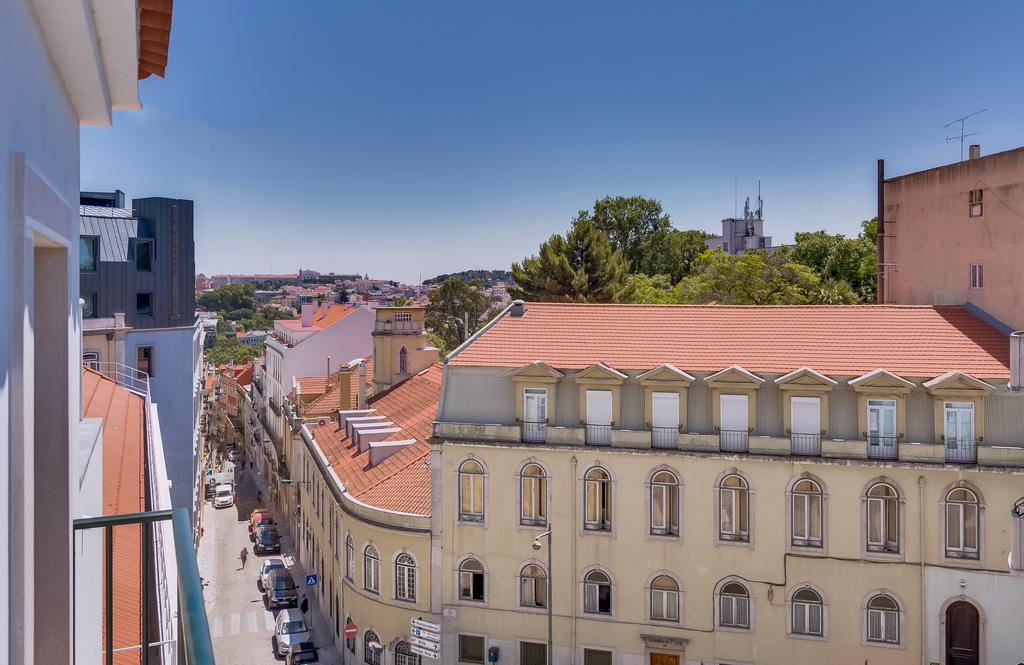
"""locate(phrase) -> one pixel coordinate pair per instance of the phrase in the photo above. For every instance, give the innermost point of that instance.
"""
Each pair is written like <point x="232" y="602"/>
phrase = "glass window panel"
<point x="728" y="512"/>
<point x="970" y="513"/>
<point x="800" y="516"/>
<point x="815" y="517"/>
<point x="953" y="526"/>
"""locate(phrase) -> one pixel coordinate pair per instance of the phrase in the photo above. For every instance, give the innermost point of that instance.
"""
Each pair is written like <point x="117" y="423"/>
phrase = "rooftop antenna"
<point x="735" y="193"/>
<point x="950" y="139"/>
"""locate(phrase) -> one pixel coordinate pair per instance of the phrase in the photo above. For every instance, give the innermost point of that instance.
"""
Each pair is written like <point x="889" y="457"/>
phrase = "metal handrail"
<point x="664" y="437"/>
<point x="961" y="450"/>
<point x="534" y="431"/>
<point x="882" y="446"/>
<point x="805" y="444"/>
<point x="598" y="435"/>
<point x="134" y="380"/>
<point x="734" y="440"/>
<point x="195" y="627"/>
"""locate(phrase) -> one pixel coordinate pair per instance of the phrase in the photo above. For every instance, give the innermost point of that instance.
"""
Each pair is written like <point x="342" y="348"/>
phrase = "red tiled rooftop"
<point x="334" y="314"/>
<point x="402" y="481"/>
<point x="123" y="492"/>
<point x="847" y="340"/>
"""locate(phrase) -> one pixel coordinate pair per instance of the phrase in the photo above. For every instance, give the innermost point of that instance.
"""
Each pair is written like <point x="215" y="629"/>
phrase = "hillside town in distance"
<point x="652" y="438"/>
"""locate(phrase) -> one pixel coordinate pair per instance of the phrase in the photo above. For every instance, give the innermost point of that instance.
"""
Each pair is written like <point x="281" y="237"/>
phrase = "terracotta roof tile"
<point x="917" y="341"/>
<point x="321" y="321"/>
<point x="124" y="491"/>
<point x="402" y="481"/>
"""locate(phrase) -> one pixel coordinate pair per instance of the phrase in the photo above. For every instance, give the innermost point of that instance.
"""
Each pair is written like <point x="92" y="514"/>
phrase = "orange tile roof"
<point x="329" y="400"/>
<point x="321" y="321"/>
<point x="916" y="341"/>
<point x="124" y="491"/>
<point x="402" y="481"/>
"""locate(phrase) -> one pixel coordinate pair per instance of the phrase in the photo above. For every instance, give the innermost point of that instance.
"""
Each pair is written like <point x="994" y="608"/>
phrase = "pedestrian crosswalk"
<point x="238" y="624"/>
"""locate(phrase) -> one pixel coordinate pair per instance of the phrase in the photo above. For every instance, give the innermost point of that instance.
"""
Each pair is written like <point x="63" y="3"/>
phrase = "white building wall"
<point x="88" y="502"/>
<point x="1000" y="601"/>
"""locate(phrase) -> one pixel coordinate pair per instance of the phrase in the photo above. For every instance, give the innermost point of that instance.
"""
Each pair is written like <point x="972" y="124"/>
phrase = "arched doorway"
<point x="962" y="634"/>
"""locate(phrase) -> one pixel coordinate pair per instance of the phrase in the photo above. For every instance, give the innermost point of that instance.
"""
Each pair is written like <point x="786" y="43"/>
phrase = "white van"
<point x="224" y="497"/>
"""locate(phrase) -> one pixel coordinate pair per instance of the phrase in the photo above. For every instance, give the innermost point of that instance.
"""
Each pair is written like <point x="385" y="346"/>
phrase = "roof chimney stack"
<point x="974" y="151"/>
<point x="361" y="387"/>
<point x="307" y="314"/>
<point x="1017" y="361"/>
<point x="518" y="308"/>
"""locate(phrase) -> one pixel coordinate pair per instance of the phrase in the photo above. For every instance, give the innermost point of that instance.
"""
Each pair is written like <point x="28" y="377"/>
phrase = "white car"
<point x="234" y="455"/>
<point x="224" y="496"/>
<point x="290" y="629"/>
<point x="268" y="567"/>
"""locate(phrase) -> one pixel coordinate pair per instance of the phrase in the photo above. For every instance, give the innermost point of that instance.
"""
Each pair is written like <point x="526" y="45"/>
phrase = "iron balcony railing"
<point x="125" y="376"/>
<point x="258" y="382"/>
<point x="805" y="444"/>
<point x="274" y="406"/>
<point x="734" y="441"/>
<point x="664" y="437"/>
<point x="534" y="431"/>
<point x="882" y="446"/>
<point x="599" y="435"/>
<point x="961" y="450"/>
<point x="194" y="646"/>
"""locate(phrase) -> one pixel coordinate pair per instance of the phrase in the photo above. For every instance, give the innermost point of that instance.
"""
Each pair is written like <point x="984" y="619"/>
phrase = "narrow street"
<point x="240" y="624"/>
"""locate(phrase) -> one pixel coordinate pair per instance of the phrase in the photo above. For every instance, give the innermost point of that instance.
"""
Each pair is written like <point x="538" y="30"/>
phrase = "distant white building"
<point x="742" y="234"/>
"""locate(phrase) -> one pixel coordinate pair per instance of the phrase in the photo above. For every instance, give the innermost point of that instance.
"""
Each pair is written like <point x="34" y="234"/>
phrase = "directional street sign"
<point x="312" y="580"/>
<point x="433" y="655"/>
<point x="425" y="644"/>
<point x="426" y="625"/>
<point x="425" y="634"/>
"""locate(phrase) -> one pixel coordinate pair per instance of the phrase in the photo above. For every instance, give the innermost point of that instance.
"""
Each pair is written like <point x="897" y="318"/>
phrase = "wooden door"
<point x="664" y="659"/>
<point x="961" y="634"/>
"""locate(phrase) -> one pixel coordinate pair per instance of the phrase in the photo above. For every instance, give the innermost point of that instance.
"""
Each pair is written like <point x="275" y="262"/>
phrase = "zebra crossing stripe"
<point x="253" y="626"/>
<point x="217" y="629"/>
<point x="236" y="624"/>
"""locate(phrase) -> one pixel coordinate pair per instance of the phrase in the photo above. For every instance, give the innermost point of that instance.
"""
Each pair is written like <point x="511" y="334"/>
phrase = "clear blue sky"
<point x="405" y="138"/>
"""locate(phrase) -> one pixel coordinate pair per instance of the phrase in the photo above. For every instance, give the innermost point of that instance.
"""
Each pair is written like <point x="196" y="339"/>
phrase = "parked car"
<point x="234" y="454"/>
<point x="266" y="540"/>
<point x="279" y="590"/>
<point x="303" y="652"/>
<point x="224" y="496"/>
<point x="268" y="567"/>
<point x="260" y="517"/>
<point x="290" y="629"/>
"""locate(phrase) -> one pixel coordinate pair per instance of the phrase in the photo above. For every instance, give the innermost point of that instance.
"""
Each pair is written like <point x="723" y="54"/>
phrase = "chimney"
<point x="345" y="387"/>
<point x="307" y="314"/>
<point x="518" y="308"/>
<point x="1017" y="361"/>
<point x="324" y="306"/>
<point x="361" y="387"/>
<point x="974" y="151"/>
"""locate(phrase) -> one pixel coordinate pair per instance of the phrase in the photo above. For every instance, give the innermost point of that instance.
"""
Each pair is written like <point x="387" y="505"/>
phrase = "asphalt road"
<point x="240" y="624"/>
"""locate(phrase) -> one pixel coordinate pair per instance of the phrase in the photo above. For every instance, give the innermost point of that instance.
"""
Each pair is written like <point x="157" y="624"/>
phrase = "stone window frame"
<point x="457" y="594"/>
<point x="415" y="574"/>
<point x="803" y="549"/>
<point x="518" y="588"/>
<point x="901" y="618"/>
<point x="901" y="509"/>
<point x="581" y="485"/>
<point x="648" y="485"/>
<point x="734" y="380"/>
<point x="482" y="522"/>
<point x="751" y="614"/>
<point x="824" y="613"/>
<point x="665" y="378"/>
<point x="962" y="562"/>
<point x="538" y="375"/>
<point x="648" y="588"/>
<point x="749" y="542"/>
<point x="805" y="382"/>
<point x="600" y="376"/>
<point x="613" y="585"/>
<point x="957" y="386"/>
<point x="520" y="526"/>
<point x="881" y="384"/>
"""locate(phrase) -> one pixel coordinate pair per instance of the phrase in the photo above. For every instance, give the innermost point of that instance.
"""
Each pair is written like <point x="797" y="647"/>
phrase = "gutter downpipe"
<point x="921" y="480"/>
<point x="572" y="581"/>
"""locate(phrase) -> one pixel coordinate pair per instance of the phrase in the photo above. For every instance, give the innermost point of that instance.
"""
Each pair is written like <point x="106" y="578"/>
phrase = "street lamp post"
<point x="547" y="599"/>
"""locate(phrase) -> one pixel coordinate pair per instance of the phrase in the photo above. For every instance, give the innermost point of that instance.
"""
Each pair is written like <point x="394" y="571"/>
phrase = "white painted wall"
<point x="1000" y="598"/>
<point x="89" y="543"/>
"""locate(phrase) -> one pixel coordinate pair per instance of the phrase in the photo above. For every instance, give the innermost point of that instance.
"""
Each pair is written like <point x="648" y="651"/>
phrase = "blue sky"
<point x="403" y="139"/>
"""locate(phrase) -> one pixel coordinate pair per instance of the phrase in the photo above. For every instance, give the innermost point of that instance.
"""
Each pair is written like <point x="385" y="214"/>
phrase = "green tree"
<point x="629" y="222"/>
<point x="653" y="289"/>
<point x="672" y="253"/>
<point x="755" y="278"/>
<point x="401" y="301"/>
<point x="836" y="258"/>
<point x="228" y="297"/>
<point x="453" y="304"/>
<point x="582" y="266"/>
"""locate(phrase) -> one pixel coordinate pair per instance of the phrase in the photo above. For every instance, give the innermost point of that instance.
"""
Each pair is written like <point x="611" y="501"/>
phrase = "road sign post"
<point x="425" y="639"/>
<point x="312" y="579"/>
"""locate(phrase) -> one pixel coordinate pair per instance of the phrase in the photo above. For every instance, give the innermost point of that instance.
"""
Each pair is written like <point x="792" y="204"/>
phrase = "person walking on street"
<point x="259" y="496"/>
<point x="243" y="556"/>
<point x="304" y="605"/>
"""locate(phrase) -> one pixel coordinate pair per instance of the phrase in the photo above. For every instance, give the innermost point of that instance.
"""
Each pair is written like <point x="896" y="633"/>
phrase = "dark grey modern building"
<point x="137" y="285"/>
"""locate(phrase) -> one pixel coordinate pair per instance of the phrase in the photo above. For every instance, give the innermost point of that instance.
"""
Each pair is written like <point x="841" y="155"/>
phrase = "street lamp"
<point x="536" y="547"/>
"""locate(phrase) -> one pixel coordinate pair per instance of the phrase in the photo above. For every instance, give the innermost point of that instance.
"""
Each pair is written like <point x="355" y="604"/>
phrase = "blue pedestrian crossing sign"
<point x="312" y="580"/>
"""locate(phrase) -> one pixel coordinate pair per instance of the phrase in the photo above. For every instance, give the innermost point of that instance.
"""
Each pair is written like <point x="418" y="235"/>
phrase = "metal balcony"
<point x="882" y="446"/>
<point x="733" y="441"/>
<point x="599" y="435"/>
<point x="664" y="437"/>
<point x="961" y="450"/>
<point x="805" y="444"/>
<point x="123" y="375"/>
<point x="534" y="431"/>
<point x="192" y="644"/>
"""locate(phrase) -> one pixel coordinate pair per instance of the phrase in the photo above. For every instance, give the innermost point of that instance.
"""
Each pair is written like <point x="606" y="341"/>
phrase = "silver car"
<point x="290" y="629"/>
<point x="279" y="589"/>
<point x="269" y="566"/>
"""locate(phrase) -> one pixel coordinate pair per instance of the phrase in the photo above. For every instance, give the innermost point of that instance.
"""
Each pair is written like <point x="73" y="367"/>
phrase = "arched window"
<point x="350" y="642"/>
<point x="664" y="504"/>
<point x="471" y="491"/>
<point x="471" y="580"/>
<point x="734" y="606"/>
<point x="734" y="509"/>
<point x="962" y="524"/>
<point x="598" y="498"/>
<point x="532" y="586"/>
<point x="664" y="599"/>
<point x="807" y="613"/>
<point x="372" y="648"/>
<point x="371" y="569"/>
<point x="597" y="593"/>
<point x="405" y="577"/>
<point x="883" y="619"/>
<point x="807" y="513"/>
<point x="350" y="558"/>
<point x="883" y="505"/>
<point x="403" y="361"/>
<point x="404" y="655"/>
<point x="533" y="509"/>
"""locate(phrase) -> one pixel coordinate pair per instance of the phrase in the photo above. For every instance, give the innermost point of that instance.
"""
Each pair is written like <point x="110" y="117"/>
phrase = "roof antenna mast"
<point x="950" y="139"/>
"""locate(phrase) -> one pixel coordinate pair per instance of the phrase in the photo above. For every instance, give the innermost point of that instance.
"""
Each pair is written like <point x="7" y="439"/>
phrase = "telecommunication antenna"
<point x="950" y="139"/>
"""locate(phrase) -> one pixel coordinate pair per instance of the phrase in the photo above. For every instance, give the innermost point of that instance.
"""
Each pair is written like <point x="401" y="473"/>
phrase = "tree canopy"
<point x="228" y="297"/>
<point x="630" y="222"/>
<point x="755" y="278"/>
<point x="449" y="307"/>
<point x="581" y="266"/>
<point x="839" y="259"/>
